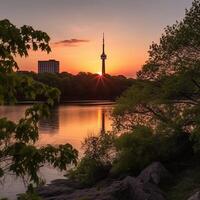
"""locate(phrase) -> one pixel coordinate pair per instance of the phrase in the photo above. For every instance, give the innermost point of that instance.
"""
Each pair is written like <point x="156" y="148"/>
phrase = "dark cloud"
<point x="70" y="42"/>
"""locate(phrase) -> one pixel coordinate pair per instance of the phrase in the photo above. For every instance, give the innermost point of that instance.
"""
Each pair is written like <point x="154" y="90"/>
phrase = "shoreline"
<point x="73" y="102"/>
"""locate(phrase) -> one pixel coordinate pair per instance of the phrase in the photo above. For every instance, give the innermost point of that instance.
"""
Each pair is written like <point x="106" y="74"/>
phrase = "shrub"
<point x="97" y="160"/>
<point x="89" y="171"/>
<point x="130" y="153"/>
<point x="137" y="149"/>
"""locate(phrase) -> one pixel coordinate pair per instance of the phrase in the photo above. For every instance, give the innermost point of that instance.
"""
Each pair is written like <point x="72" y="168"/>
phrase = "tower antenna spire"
<point x="103" y="43"/>
<point x="103" y="58"/>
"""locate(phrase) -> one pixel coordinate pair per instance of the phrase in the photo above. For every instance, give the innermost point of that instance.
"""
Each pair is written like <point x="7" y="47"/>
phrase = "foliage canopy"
<point x="166" y="96"/>
<point x="18" y="152"/>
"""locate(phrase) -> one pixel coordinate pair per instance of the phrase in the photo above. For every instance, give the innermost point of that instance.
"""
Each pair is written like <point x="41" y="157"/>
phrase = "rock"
<point x="154" y="173"/>
<point x="144" y="187"/>
<point x="196" y="196"/>
<point x="129" y="188"/>
<point x="57" y="187"/>
<point x="141" y="191"/>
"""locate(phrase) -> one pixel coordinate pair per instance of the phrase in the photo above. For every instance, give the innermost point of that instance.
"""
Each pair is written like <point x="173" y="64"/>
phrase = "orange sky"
<point x="86" y="57"/>
<point x="130" y="26"/>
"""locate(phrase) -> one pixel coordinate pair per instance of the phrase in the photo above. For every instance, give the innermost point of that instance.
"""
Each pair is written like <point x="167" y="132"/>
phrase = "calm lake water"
<point x="67" y="124"/>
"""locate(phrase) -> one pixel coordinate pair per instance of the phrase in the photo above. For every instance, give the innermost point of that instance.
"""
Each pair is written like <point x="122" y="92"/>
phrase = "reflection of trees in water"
<point x="50" y="125"/>
<point x="69" y="117"/>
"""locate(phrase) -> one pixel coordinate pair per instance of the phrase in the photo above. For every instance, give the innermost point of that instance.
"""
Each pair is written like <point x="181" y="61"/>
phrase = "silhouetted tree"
<point x="18" y="154"/>
<point x="166" y="94"/>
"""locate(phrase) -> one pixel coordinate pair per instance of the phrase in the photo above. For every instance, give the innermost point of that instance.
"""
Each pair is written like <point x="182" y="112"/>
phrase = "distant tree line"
<point x="84" y="85"/>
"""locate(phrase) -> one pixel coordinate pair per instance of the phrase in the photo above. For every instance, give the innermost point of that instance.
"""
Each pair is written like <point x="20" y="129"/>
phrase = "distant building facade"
<point x="48" y="66"/>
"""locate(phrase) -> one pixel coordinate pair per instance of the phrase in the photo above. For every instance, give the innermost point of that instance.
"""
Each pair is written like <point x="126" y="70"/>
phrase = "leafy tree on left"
<point x="18" y="153"/>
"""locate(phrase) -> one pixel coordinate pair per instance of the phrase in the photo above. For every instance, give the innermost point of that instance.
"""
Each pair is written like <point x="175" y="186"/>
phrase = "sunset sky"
<point x="76" y="27"/>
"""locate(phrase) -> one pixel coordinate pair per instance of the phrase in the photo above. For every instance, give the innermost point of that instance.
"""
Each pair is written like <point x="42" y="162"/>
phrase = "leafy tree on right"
<point x="166" y="96"/>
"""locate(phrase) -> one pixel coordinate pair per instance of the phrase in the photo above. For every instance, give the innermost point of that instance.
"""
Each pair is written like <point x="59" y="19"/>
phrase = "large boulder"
<point x="142" y="191"/>
<point x="144" y="187"/>
<point x="154" y="173"/>
<point x="196" y="196"/>
<point x="129" y="188"/>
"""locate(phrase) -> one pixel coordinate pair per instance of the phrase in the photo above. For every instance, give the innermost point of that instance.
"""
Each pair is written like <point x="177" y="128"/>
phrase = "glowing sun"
<point x="99" y="73"/>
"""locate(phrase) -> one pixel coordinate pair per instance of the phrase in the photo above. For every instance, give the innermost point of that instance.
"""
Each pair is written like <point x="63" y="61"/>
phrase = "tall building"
<point x="103" y="58"/>
<point x="49" y="66"/>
